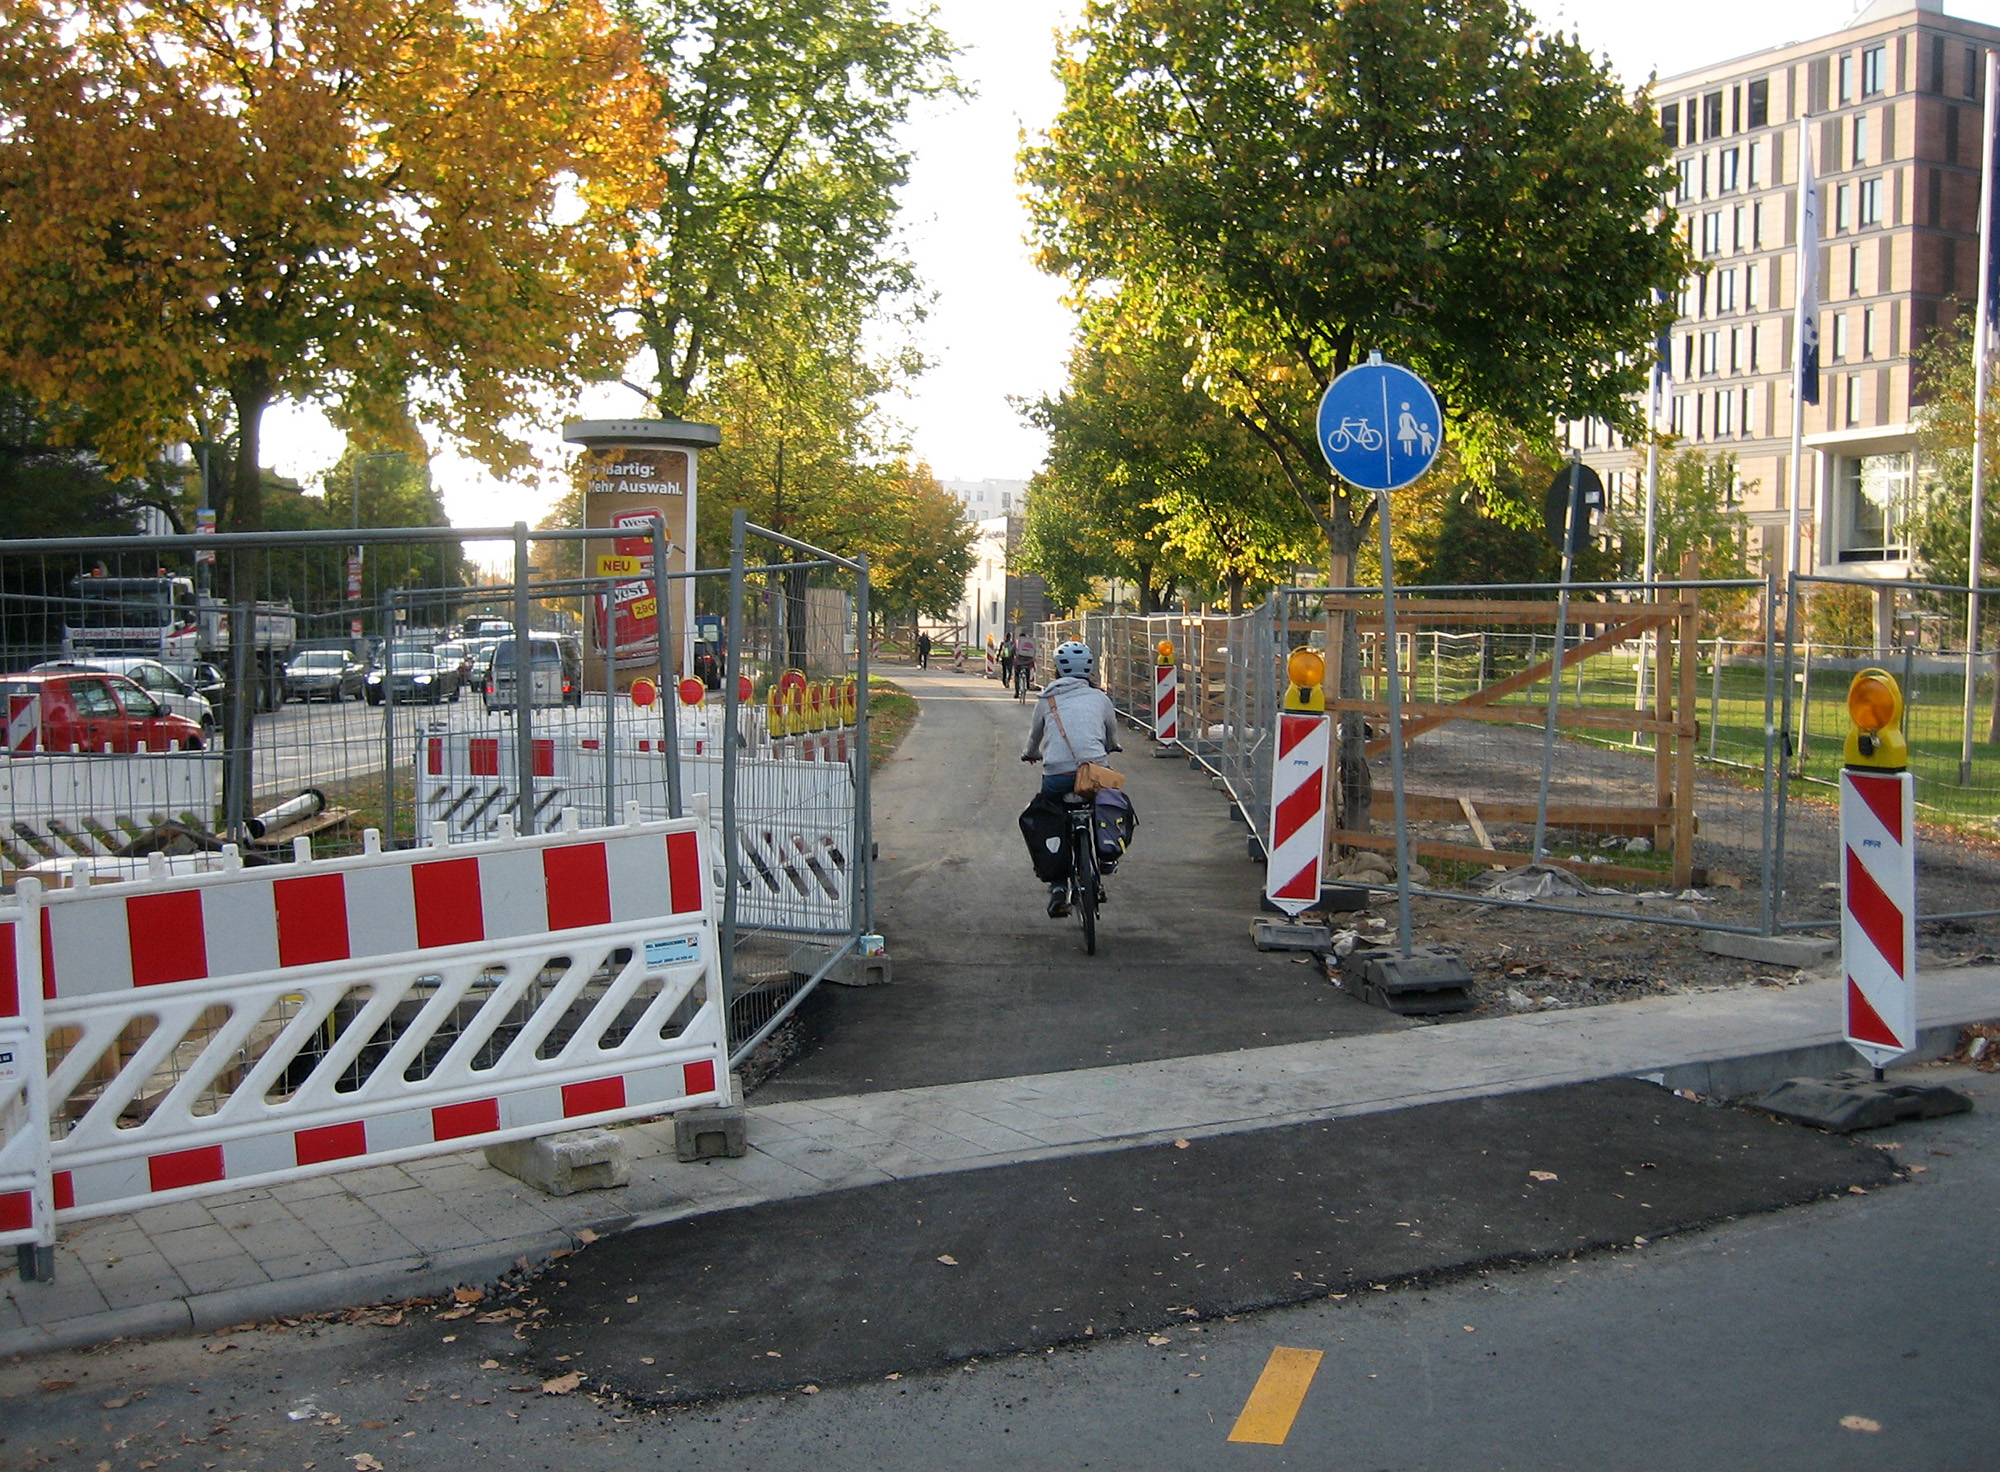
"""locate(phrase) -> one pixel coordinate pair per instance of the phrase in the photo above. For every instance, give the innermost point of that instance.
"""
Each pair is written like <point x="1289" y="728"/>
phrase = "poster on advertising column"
<point x="630" y="471"/>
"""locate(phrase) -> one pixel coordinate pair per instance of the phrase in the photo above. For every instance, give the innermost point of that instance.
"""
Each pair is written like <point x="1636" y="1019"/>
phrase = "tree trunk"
<point x="1235" y="584"/>
<point x="1993" y="716"/>
<point x="1145" y="581"/>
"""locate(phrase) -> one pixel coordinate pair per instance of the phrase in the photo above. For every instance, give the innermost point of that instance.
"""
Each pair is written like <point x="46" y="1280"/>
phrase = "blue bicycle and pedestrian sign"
<point x="1379" y="426"/>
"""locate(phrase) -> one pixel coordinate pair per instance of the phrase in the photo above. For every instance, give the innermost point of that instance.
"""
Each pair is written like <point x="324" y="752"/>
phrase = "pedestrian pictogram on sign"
<point x="1379" y="426"/>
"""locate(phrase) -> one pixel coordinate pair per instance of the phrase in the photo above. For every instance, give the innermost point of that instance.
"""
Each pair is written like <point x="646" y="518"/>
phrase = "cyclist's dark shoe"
<point x="1101" y="895"/>
<point x="1058" y="901"/>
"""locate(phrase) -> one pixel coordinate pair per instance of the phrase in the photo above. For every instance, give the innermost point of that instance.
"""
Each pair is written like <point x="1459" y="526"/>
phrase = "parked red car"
<point x="90" y="711"/>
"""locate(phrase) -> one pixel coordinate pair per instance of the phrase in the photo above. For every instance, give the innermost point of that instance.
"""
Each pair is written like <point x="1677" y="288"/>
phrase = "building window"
<point x="1839" y="343"/>
<point x="1846" y="72"/>
<point x="1725" y="413"/>
<point x="1735" y="350"/>
<point x="1868" y="333"/>
<point x="1843" y="207"/>
<point x="1860" y="154"/>
<point x="1870" y="199"/>
<point x="1760" y="105"/>
<point x="1739" y="230"/>
<point x="1755" y="333"/>
<point x="1874" y="500"/>
<point x="1708" y="352"/>
<point x="1753" y="167"/>
<point x="1725" y="290"/>
<point x="1711" y="115"/>
<point x="1750" y="288"/>
<point x="1677" y="416"/>
<point x="1728" y="170"/>
<point x="1744" y="418"/>
<point x="1711" y="233"/>
<point x="1670" y="125"/>
<point x="1874" y="70"/>
<point x="1937" y="64"/>
<point x="1684" y="181"/>
<point x="1971" y="71"/>
<point x="1854" y="270"/>
<point x="1951" y="135"/>
<point x="1851" y="393"/>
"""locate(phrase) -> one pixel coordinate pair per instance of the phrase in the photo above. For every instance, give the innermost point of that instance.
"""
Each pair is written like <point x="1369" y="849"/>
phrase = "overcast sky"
<point x="998" y="328"/>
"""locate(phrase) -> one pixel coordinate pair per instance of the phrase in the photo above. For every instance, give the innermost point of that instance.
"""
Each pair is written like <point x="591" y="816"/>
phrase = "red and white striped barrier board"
<point x="1298" y="811"/>
<point x="1878" y="912"/>
<point x="90" y="806"/>
<point x="24" y="723"/>
<point x="27" y="1203"/>
<point x="267" y="1024"/>
<point x="1167" y="702"/>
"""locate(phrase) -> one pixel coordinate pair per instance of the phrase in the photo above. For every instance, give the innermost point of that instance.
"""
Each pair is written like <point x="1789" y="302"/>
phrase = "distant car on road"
<point x="151" y="675"/>
<point x="89" y="711"/>
<point x="460" y="653"/>
<point x="205" y="679"/>
<point x="708" y="663"/>
<point x="411" y="674"/>
<point x="324" y="674"/>
<point x="555" y="673"/>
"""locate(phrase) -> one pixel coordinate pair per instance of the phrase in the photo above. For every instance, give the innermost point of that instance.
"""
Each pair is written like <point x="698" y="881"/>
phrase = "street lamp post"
<point x="355" y="563"/>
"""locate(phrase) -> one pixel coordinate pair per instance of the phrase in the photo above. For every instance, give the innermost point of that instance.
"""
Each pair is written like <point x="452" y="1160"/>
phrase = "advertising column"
<point x="632" y="469"/>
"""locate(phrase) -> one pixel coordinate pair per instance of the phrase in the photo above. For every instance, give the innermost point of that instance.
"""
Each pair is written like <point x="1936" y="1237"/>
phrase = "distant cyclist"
<point x="1074" y="723"/>
<point x="1024" y="660"/>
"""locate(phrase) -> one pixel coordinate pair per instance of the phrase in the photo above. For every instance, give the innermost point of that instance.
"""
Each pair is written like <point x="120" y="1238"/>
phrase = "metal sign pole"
<point x="1556" y="669"/>
<point x="524" y="688"/>
<point x="1395" y="726"/>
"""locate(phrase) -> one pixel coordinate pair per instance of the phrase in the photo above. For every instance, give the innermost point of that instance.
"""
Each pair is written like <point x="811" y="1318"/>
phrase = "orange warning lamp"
<point x="1875" y="712"/>
<point x="693" y="692"/>
<point x="1165" y="650"/>
<point x="644" y="692"/>
<point x="1306" y="670"/>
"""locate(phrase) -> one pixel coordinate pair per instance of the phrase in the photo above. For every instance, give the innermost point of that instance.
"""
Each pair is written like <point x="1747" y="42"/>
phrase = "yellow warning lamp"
<point x="1164" y="650"/>
<point x="1306" y="671"/>
<point x="1875" y="733"/>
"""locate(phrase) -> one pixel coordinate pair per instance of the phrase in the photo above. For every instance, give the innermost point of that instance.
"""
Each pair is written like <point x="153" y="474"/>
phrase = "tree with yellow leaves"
<point x="382" y="206"/>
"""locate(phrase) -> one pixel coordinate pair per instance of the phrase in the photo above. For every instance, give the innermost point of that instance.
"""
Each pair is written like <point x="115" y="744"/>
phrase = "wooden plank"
<point x="1472" y="816"/>
<point x="1502" y="612"/>
<point x="1684" y="741"/>
<point x="1508" y="715"/>
<point x="1500" y="689"/>
<point x="1639" y="821"/>
<point x="1425" y="848"/>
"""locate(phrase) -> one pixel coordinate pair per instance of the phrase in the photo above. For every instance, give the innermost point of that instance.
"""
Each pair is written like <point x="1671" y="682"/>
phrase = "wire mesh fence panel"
<point x="1951" y="718"/>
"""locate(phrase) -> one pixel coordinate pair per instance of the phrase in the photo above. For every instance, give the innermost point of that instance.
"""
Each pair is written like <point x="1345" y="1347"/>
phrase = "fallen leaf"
<point x="562" y="1384"/>
<point x="468" y="1295"/>
<point x="585" y="1236"/>
<point x="1860" y="1423"/>
<point x="947" y="1259"/>
<point x="1542" y="1175"/>
<point x="373" y="1425"/>
<point x="893" y="1375"/>
<point x="633" y="1299"/>
<point x="365" y="1463"/>
<point x="1468" y="1328"/>
<point x="117" y="1402"/>
<point x="1180" y="1144"/>
<point x="1857" y="1190"/>
<point x="451" y="1339"/>
<point x="449" y="1314"/>
<point x="809" y="1389"/>
<point x="489" y="1364"/>
<point x="1917" y="1170"/>
<point x="645" y="1359"/>
<point x="1158" y="1339"/>
<point x="220" y="1347"/>
<point x="772" y="1354"/>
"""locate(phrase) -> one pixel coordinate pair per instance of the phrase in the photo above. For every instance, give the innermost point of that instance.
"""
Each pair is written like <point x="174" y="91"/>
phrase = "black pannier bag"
<point x="1115" y="822"/>
<point x="1045" y="829"/>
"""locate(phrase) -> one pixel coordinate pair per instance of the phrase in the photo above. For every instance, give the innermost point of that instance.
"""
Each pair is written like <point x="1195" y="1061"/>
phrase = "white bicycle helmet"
<point x="1074" y="660"/>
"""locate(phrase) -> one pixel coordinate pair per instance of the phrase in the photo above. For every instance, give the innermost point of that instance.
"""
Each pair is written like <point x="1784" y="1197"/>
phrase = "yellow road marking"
<point x="1275" y="1399"/>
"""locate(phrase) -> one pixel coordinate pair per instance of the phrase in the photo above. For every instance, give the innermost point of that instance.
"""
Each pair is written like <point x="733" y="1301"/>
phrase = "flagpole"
<point x="1804" y="272"/>
<point x="1982" y="327"/>
<point x="1653" y="403"/>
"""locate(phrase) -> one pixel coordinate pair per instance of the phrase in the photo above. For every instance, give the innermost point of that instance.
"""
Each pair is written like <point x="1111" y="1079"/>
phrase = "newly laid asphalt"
<point x="914" y="1275"/>
<point x="1003" y="1064"/>
<point x="988" y="986"/>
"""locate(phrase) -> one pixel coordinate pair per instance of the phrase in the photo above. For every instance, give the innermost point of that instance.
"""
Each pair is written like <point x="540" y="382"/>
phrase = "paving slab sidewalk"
<point x="395" y="1231"/>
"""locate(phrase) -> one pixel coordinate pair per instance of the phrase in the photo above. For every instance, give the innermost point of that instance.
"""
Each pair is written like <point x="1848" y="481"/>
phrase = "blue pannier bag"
<point x="1114" y="820"/>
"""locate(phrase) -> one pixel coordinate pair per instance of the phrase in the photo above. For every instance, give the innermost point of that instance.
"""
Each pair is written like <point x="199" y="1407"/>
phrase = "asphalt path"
<point x="988" y="986"/>
<point x="1854" y="1331"/>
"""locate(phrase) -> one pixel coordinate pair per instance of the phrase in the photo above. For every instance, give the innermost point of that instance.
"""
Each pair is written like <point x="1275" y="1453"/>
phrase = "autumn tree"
<point x="206" y="206"/>
<point x="1299" y="182"/>
<point x="778" y="176"/>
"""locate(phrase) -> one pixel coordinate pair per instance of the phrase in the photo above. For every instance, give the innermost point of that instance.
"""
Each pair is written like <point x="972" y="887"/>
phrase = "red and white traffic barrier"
<point x="1297" y="844"/>
<point x="269" y="1024"/>
<point x="1878" y="912"/>
<point x="1166" y="702"/>
<point x="24" y="724"/>
<point x="27" y="1201"/>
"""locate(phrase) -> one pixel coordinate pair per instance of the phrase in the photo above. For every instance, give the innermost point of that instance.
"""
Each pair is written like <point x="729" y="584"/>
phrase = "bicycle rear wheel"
<point x="1083" y="876"/>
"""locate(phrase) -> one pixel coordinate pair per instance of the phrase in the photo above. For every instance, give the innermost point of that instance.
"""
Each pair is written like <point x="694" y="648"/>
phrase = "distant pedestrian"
<point x="1007" y="659"/>
<point x="923" y="651"/>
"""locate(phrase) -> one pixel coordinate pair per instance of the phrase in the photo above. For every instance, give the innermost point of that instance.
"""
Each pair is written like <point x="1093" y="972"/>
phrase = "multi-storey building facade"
<point x="1892" y="104"/>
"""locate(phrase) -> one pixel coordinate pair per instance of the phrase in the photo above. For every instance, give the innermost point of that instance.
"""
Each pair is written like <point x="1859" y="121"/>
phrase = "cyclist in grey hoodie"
<point x="1082" y="711"/>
